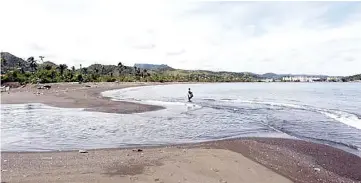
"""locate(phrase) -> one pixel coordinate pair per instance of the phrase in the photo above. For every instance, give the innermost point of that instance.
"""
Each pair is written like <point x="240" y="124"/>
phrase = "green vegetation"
<point x="31" y="71"/>
<point x="14" y="69"/>
<point x="356" y="77"/>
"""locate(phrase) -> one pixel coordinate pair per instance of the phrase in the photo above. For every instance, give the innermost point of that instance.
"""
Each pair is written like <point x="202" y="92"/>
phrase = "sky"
<point x="259" y="37"/>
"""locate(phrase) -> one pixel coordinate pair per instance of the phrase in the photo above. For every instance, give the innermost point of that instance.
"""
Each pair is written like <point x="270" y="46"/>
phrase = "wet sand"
<point x="299" y="160"/>
<point x="74" y="95"/>
<point x="237" y="160"/>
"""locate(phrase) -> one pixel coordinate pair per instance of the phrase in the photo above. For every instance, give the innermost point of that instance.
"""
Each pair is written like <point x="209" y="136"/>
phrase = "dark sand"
<point x="297" y="159"/>
<point x="238" y="160"/>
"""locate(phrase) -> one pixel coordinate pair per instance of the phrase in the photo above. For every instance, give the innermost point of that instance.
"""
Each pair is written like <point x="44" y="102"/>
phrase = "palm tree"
<point x="135" y="70"/>
<point x="42" y="59"/>
<point x="62" y="67"/>
<point x="21" y="68"/>
<point x="3" y="61"/>
<point x="32" y="63"/>
<point x="102" y="69"/>
<point x="145" y="71"/>
<point x="120" y="67"/>
<point x="85" y="70"/>
<point x="138" y="72"/>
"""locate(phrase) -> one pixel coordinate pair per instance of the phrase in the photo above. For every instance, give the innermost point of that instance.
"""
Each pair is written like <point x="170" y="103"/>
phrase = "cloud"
<point x="149" y="46"/>
<point x="182" y="51"/>
<point x="35" y="47"/>
<point x="280" y="37"/>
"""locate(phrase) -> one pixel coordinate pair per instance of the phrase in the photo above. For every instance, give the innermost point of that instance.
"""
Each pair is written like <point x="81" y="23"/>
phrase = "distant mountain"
<point x="10" y="62"/>
<point x="108" y="69"/>
<point x="271" y="76"/>
<point x="153" y="66"/>
<point x="50" y="63"/>
<point x="279" y="76"/>
<point x="156" y="71"/>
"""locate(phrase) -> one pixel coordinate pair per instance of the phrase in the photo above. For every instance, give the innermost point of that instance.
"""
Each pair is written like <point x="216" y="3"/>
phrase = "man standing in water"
<point x="190" y="95"/>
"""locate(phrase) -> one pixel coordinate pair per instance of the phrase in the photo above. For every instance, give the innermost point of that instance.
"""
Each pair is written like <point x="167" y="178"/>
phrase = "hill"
<point x="11" y="62"/>
<point x="271" y="76"/>
<point x="52" y="64"/>
<point x="356" y="77"/>
<point x="109" y="69"/>
<point x="204" y="76"/>
<point x="15" y="70"/>
<point x="153" y="66"/>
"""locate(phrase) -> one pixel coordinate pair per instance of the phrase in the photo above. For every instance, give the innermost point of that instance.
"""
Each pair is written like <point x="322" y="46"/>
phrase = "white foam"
<point x="282" y="105"/>
<point x="272" y="104"/>
<point x="340" y="116"/>
<point x="167" y="104"/>
<point x="344" y="117"/>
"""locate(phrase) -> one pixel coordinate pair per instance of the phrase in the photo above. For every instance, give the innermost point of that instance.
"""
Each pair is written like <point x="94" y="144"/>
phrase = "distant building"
<point x="300" y="79"/>
<point x="333" y="79"/>
<point x="267" y="80"/>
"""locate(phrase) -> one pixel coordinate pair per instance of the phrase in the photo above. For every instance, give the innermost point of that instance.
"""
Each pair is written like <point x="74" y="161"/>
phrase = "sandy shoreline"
<point x="74" y="95"/>
<point x="237" y="160"/>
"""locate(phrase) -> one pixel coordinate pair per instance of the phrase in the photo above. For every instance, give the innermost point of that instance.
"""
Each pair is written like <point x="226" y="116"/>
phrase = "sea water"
<point x="328" y="113"/>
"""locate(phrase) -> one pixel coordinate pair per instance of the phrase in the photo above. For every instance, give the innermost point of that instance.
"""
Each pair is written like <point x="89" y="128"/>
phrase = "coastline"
<point x="235" y="160"/>
<point x="298" y="160"/>
<point x="74" y="95"/>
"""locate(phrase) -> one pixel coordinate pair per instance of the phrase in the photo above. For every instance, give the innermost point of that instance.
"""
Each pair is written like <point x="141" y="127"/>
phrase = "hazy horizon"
<point x="314" y="38"/>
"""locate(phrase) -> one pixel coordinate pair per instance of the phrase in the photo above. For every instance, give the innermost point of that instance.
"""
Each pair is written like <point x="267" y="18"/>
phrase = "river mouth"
<point x="37" y="127"/>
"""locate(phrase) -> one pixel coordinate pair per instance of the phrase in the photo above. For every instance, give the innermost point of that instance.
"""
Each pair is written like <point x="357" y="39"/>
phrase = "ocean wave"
<point x="275" y="104"/>
<point x="227" y="99"/>
<point x="347" y="118"/>
<point x="340" y="116"/>
<point x="209" y="99"/>
<point x="343" y="117"/>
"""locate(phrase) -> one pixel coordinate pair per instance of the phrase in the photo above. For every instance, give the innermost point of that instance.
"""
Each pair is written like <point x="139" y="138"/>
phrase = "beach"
<point x="75" y="95"/>
<point x="236" y="160"/>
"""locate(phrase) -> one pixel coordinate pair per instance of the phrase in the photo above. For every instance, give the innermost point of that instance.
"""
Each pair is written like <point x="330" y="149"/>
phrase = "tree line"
<point x="32" y="71"/>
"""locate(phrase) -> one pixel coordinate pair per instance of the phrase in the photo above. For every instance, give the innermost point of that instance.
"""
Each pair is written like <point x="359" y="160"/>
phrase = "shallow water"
<point x="323" y="112"/>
